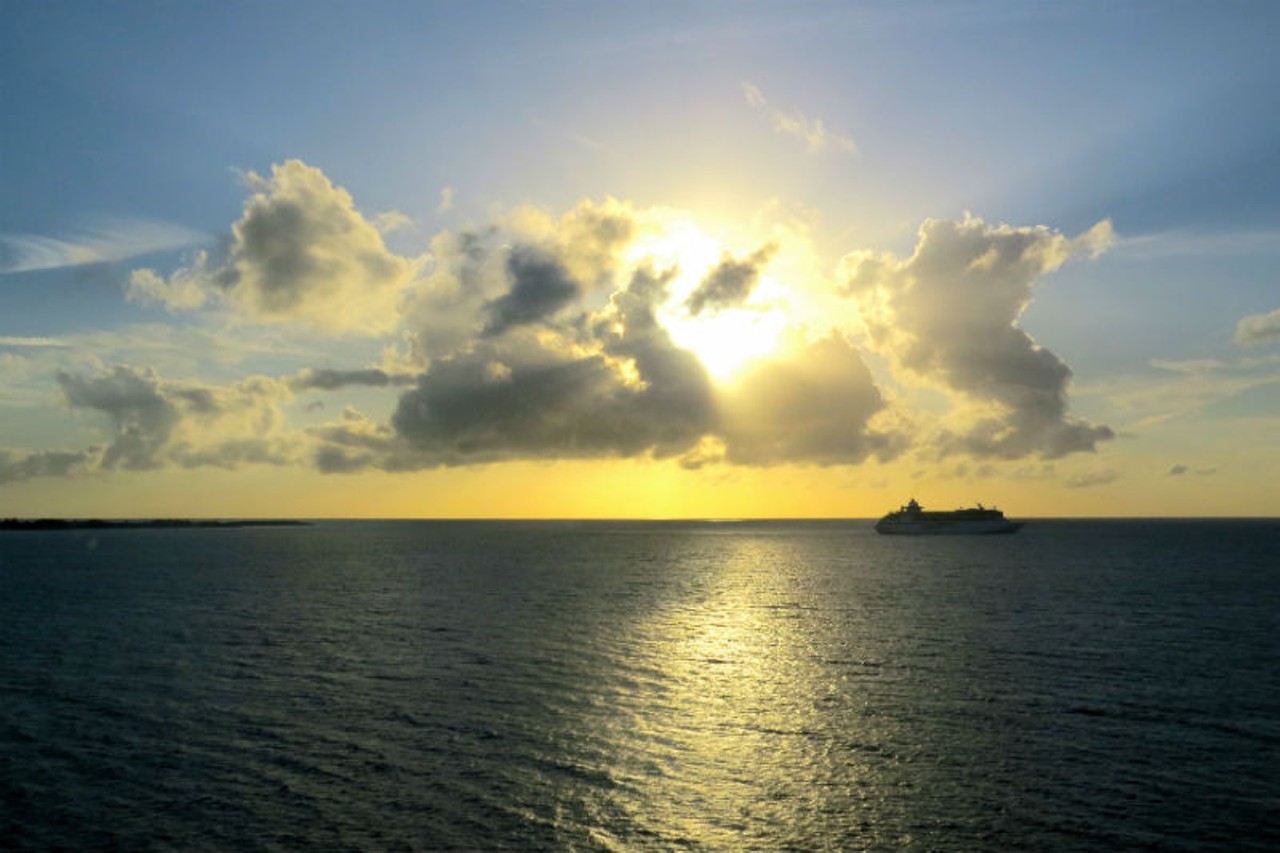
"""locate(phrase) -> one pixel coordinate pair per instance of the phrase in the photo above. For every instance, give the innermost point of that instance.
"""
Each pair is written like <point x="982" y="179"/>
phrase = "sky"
<point x="652" y="260"/>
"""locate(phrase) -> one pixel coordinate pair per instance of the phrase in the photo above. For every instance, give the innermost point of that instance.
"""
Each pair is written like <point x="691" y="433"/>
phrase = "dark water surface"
<point x="631" y="686"/>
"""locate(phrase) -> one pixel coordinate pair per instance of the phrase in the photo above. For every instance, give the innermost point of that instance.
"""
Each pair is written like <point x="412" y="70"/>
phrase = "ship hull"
<point x="947" y="528"/>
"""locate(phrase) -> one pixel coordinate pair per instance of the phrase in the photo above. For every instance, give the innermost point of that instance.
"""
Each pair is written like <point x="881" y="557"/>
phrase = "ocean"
<point x="405" y="685"/>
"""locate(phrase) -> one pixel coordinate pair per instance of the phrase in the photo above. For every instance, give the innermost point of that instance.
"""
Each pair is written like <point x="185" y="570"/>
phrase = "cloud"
<point x="541" y="336"/>
<point x="813" y="131"/>
<point x="612" y="383"/>
<point x="356" y="442"/>
<point x="815" y="403"/>
<point x="1190" y="388"/>
<point x="326" y="379"/>
<point x="17" y="467"/>
<point x="1180" y="469"/>
<point x="948" y="316"/>
<point x="1090" y="479"/>
<point x="588" y="240"/>
<point x="301" y="253"/>
<point x="730" y="283"/>
<point x="446" y="200"/>
<point x="540" y="287"/>
<point x="1184" y="243"/>
<point x="514" y="362"/>
<point x="1259" y="329"/>
<point x="156" y="423"/>
<point x="391" y="220"/>
<point x="185" y="290"/>
<point x="109" y="240"/>
<point x="23" y="341"/>
<point x="609" y="385"/>
<point x="521" y="270"/>
<point x="579" y="139"/>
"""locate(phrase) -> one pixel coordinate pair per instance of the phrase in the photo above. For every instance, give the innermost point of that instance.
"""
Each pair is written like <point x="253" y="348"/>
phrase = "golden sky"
<point x="638" y="267"/>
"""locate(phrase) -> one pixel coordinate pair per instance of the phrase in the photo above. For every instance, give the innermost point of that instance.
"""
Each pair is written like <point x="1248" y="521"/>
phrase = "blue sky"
<point x="135" y="134"/>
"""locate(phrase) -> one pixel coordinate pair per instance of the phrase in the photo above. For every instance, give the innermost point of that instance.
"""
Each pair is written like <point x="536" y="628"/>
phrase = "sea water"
<point x="641" y="686"/>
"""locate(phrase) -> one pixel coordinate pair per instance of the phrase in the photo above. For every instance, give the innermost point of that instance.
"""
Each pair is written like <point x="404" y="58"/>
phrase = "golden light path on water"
<point x="732" y="728"/>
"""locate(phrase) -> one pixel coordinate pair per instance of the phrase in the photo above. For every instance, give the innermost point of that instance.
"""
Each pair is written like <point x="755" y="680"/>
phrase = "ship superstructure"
<point x="914" y="520"/>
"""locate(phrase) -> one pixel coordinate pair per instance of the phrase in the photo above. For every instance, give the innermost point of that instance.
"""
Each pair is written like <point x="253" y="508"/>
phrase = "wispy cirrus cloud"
<point x="1184" y="243"/>
<point x="813" y="131"/>
<point x="104" y="241"/>
<point x="28" y="341"/>
<point x="580" y="139"/>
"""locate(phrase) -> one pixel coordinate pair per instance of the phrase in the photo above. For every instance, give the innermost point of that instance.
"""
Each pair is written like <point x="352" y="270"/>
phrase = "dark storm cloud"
<point x="730" y="283"/>
<point x="540" y="286"/>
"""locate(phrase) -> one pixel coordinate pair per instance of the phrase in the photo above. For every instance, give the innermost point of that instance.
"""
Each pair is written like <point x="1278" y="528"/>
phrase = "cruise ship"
<point x="914" y="520"/>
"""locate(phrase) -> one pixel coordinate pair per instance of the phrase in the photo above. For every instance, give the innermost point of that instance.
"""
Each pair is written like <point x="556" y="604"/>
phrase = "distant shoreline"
<point x="141" y="524"/>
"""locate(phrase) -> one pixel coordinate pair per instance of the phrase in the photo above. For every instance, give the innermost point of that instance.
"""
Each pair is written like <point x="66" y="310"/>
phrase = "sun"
<point x="727" y="341"/>
<point x="724" y="340"/>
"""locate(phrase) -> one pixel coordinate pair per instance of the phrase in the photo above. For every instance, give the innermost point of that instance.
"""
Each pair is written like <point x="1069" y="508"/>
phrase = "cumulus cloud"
<point x="1259" y="329"/>
<point x="524" y="269"/>
<point x="185" y="290"/>
<point x="16" y="467"/>
<point x="300" y="253"/>
<point x="588" y="240"/>
<point x="731" y="282"/>
<point x="815" y="404"/>
<point x="813" y="132"/>
<point x="949" y="315"/>
<point x="541" y="336"/>
<point x="156" y="423"/>
<point x="610" y="385"/>
<point x="540" y="286"/>
<point x="356" y="442"/>
<point x="514" y="362"/>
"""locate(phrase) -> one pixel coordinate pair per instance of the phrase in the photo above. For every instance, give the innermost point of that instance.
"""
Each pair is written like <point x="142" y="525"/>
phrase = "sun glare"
<point x="724" y="340"/>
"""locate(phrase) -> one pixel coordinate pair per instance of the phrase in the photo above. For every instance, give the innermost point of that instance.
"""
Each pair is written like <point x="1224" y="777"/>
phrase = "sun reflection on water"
<point x="734" y="740"/>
